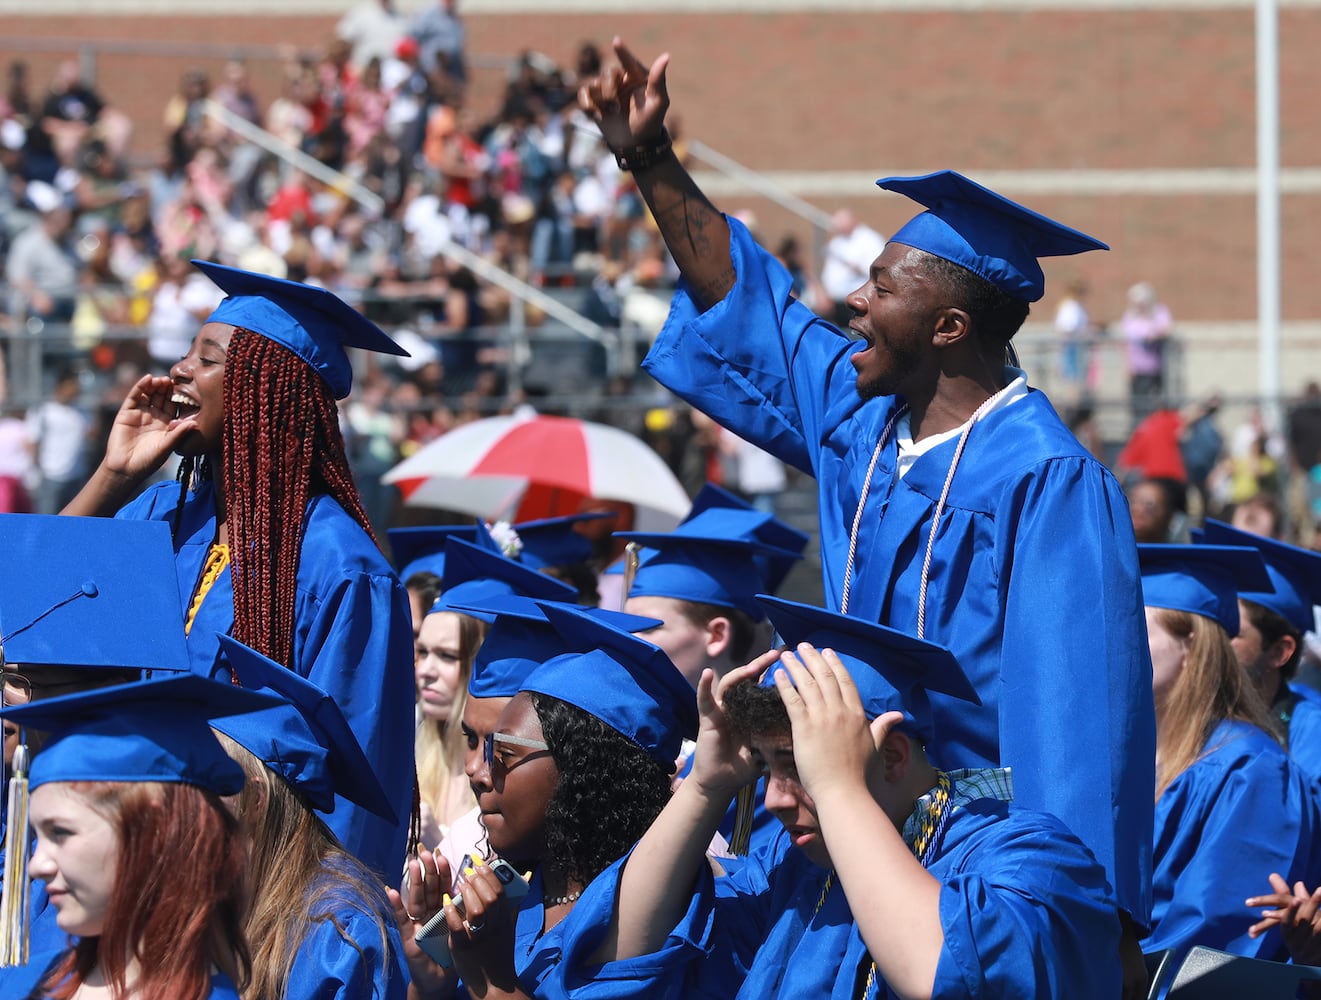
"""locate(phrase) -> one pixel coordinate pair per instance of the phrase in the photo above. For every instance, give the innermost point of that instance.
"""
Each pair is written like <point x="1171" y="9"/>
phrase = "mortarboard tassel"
<point x="745" y="805"/>
<point x="14" y="897"/>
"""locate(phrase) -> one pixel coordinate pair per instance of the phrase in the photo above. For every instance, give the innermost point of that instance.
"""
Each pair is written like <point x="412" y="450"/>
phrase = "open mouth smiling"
<point x="183" y="406"/>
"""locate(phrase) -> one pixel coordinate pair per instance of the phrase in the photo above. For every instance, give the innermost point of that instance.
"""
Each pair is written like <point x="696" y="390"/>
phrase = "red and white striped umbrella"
<point x="521" y="467"/>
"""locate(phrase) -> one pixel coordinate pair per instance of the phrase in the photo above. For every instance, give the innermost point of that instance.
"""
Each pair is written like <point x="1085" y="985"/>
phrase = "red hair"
<point x="282" y="446"/>
<point x="177" y="882"/>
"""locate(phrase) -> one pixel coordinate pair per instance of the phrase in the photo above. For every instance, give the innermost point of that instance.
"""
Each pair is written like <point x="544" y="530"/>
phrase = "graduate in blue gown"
<point x="319" y="924"/>
<point x="954" y="503"/>
<point x="62" y="631"/>
<point x="1269" y="644"/>
<point x="1232" y="806"/>
<point x="272" y="542"/>
<point x="889" y="877"/>
<point x="577" y="767"/>
<point x="127" y="789"/>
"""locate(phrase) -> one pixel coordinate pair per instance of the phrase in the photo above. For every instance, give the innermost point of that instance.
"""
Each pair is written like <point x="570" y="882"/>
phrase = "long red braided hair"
<point x="282" y="445"/>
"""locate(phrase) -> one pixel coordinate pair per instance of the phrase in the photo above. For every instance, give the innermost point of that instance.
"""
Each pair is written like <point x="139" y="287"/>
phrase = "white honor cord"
<point x="935" y="519"/>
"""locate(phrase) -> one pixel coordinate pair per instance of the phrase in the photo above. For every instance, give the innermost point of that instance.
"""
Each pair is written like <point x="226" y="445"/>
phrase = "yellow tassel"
<point x="740" y="839"/>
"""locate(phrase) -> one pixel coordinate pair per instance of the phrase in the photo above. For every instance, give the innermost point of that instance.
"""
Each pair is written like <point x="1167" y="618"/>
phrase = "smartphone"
<point x="434" y="937"/>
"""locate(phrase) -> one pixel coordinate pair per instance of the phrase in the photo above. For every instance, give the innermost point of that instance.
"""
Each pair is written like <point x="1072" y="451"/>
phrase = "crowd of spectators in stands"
<point x="96" y="245"/>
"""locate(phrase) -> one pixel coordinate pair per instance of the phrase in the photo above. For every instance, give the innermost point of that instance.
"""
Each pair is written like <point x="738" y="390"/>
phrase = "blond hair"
<point x="298" y="876"/>
<point x="1212" y="688"/>
<point x="439" y="746"/>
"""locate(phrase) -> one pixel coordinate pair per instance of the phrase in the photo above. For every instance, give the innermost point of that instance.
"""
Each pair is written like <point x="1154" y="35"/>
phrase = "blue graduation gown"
<point x="1025" y="909"/>
<point x="353" y="637"/>
<point x="1242" y="811"/>
<point x="348" y="962"/>
<point x="555" y="964"/>
<point x="1033" y="582"/>
<point x="21" y="983"/>
<point x="1305" y="730"/>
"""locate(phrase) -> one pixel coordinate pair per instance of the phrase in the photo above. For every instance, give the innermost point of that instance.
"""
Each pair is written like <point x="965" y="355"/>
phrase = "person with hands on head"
<point x="271" y="541"/>
<point x="954" y="502"/>
<point x="890" y="877"/>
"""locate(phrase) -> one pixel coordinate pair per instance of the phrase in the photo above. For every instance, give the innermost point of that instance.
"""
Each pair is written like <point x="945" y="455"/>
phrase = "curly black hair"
<point x="609" y="792"/>
<point x="996" y="315"/>
<point x="754" y="710"/>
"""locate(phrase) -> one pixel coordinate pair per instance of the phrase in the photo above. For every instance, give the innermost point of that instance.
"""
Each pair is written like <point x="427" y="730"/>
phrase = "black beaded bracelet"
<point x="642" y="157"/>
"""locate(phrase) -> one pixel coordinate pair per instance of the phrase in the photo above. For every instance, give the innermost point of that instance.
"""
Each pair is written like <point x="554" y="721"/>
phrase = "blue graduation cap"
<point x="304" y="737"/>
<point x="1201" y="579"/>
<point x="771" y="530"/>
<point x="521" y="639"/>
<point x="475" y="573"/>
<point x="892" y="670"/>
<point x="155" y="730"/>
<point x="419" y="550"/>
<point x="623" y="680"/>
<point x="555" y="541"/>
<point x="1295" y="574"/>
<point x="313" y="323"/>
<point x="75" y="583"/>
<point x="710" y="559"/>
<point x="993" y="237"/>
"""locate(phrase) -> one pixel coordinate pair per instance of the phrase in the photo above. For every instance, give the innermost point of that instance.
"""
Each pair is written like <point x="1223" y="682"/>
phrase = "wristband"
<point x="634" y="158"/>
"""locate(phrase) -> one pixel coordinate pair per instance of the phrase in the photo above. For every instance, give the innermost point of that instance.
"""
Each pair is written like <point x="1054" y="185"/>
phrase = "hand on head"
<point x="834" y="743"/>
<point x="628" y="101"/>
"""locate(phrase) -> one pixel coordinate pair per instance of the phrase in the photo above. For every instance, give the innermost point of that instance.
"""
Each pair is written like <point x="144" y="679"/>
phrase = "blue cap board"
<point x="422" y="550"/>
<point x="993" y="237"/>
<point x="1201" y="579"/>
<point x="154" y="730"/>
<point x="555" y="541"/>
<point x="305" y="738"/>
<point x="521" y="639"/>
<point x="771" y="530"/>
<point x="1295" y="573"/>
<point x="312" y="322"/>
<point x="710" y="558"/>
<point x="622" y="679"/>
<point x="892" y="670"/>
<point x="94" y="592"/>
<point x="476" y="573"/>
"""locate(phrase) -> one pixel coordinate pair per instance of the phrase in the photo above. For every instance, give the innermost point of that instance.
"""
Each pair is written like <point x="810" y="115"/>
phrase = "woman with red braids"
<point x="271" y="541"/>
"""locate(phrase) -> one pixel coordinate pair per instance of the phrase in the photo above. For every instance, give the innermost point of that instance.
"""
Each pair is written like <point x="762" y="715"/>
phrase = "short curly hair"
<point x="754" y="710"/>
<point x="609" y="792"/>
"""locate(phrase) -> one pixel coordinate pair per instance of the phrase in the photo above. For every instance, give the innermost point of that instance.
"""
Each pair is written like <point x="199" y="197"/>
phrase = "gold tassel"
<point x="14" y="898"/>
<point x="632" y="560"/>
<point x="740" y="839"/>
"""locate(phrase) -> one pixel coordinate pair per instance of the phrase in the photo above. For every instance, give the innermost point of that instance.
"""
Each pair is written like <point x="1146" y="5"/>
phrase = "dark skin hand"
<point x="426" y="882"/>
<point x="629" y="103"/>
<point x="482" y="938"/>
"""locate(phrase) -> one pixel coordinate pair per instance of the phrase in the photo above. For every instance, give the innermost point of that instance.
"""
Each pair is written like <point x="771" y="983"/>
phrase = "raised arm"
<point x="656" y="885"/>
<point x="629" y="103"/>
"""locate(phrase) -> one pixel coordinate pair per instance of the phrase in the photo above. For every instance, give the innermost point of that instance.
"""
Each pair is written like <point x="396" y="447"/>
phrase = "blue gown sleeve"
<point x="657" y="975"/>
<point x="1075" y="670"/>
<point x="1223" y="826"/>
<point x="759" y="362"/>
<point x="1305" y="731"/>
<point x="1035" y="919"/>
<point x="349" y="961"/>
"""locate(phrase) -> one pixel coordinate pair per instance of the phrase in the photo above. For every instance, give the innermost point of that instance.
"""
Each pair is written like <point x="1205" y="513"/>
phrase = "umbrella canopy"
<point x="522" y="467"/>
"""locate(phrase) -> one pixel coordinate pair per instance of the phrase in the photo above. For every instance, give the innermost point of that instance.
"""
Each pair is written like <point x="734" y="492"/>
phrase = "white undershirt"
<point x="910" y="451"/>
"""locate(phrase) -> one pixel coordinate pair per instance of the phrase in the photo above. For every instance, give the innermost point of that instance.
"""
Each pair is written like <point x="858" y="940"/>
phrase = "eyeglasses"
<point x="488" y="748"/>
